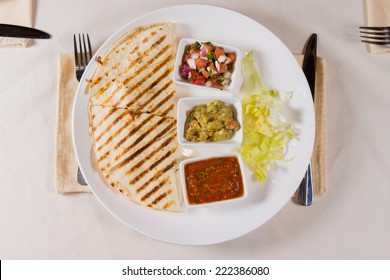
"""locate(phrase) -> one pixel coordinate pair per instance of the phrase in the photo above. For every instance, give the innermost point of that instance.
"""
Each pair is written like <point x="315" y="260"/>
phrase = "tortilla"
<point x="133" y="117"/>
<point x="136" y="73"/>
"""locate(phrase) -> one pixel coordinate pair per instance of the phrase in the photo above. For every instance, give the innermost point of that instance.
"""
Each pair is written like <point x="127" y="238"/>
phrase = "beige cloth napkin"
<point x="318" y="159"/>
<point x="377" y="13"/>
<point x="66" y="164"/>
<point x="65" y="158"/>
<point x="19" y="12"/>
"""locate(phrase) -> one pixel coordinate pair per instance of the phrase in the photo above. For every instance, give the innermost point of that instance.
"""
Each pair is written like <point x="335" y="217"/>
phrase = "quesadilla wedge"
<point x="133" y="118"/>
<point x="138" y="153"/>
<point x="135" y="73"/>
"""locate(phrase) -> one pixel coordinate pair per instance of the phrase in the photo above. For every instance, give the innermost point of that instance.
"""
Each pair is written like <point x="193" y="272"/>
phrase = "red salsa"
<point x="213" y="180"/>
<point x="207" y="65"/>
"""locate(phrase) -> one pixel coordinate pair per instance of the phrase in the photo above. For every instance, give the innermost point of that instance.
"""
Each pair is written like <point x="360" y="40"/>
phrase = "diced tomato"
<point x="211" y="64"/>
<point x="232" y="56"/>
<point x="205" y="73"/>
<point x="213" y="81"/>
<point x="222" y="68"/>
<point x="231" y="124"/>
<point x="200" y="80"/>
<point x="200" y="63"/>
<point x="218" y="52"/>
<point x="207" y="48"/>
<point x="194" y="74"/>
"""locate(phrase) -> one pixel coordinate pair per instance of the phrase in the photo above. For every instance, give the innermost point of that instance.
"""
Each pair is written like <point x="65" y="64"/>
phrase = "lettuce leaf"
<point x="266" y="130"/>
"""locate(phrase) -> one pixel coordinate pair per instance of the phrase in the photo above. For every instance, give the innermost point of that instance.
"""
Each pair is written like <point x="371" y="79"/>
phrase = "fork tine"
<point x="377" y="28"/>
<point x="86" y="60"/>
<point x="381" y="38"/>
<point x="81" y="51"/>
<point x="374" y="32"/>
<point x="76" y="54"/>
<point x="380" y="43"/>
<point x="89" y="48"/>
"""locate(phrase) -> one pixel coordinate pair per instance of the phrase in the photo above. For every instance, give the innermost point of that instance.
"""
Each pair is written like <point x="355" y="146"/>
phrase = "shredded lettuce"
<point x="266" y="129"/>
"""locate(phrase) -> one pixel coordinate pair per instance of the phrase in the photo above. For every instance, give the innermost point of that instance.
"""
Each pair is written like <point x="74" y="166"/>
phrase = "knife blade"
<point x="305" y="190"/>
<point x="309" y="62"/>
<point x="17" y="31"/>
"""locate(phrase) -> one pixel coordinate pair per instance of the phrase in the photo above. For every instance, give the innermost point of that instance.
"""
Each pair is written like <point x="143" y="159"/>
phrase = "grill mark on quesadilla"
<point x="115" y="134"/>
<point x="149" y="62"/>
<point x="167" y="154"/>
<point x="162" y="102"/>
<point x="157" y="175"/>
<point x="150" y="87"/>
<point x="149" y="156"/>
<point x="94" y="83"/>
<point x="166" y="112"/>
<point x="138" y="127"/>
<point x="119" y="86"/>
<point x="161" y="197"/>
<point x="155" y="164"/>
<point x="103" y="119"/>
<point x="140" y="138"/>
<point x="131" y="157"/>
<point x="155" y="95"/>
<point x="155" y="189"/>
<point x="112" y="124"/>
<point x="136" y="48"/>
<point x="168" y="204"/>
<point x="107" y="116"/>
<point x="126" y="137"/>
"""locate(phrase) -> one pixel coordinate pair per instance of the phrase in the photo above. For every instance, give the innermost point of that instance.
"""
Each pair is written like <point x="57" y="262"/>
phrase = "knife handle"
<point x="305" y="191"/>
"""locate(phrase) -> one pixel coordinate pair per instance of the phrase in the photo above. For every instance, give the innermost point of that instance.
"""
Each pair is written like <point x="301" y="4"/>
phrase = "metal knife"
<point x="17" y="31"/>
<point x="305" y="191"/>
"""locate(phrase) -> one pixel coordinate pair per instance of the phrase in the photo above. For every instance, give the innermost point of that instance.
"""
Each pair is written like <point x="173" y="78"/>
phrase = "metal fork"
<point x="377" y="35"/>
<point x="82" y="55"/>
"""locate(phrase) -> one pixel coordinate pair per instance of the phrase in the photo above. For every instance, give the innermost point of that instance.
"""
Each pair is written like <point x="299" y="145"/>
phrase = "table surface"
<point x="351" y="221"/>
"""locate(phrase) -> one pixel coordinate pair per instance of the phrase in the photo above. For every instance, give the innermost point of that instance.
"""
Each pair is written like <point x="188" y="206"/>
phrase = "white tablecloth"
<point x="351" y="221"/>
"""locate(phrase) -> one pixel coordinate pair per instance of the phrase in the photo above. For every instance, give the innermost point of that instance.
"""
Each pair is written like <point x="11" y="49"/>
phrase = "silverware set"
<point x="376" y="35"/>
<point x="82" y="56"/>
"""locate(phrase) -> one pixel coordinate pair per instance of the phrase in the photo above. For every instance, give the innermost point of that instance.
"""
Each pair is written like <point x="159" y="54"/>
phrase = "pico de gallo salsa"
<point x="207" y="65"/>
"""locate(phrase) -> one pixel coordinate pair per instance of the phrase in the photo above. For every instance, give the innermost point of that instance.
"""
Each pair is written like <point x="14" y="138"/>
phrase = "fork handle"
<point x="80" y="177"/>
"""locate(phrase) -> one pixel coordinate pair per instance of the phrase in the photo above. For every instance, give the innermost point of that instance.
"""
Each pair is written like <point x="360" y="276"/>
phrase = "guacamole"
<point x="211" y="122"/>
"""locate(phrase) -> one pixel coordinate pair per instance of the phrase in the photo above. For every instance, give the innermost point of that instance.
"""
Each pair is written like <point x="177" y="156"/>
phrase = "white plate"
<point x="221" y="223"/>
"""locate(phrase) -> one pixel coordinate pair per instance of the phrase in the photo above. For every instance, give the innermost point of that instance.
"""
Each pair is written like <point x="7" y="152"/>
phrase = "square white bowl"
<point x="179" y="55"/>
<point x="187" y="103"/>
<point x="184" y="187"/>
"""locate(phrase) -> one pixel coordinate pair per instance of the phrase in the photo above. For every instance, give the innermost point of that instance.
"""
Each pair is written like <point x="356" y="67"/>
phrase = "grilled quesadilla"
<point x="136" y="72"/>
<point x="133" y="118"/>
